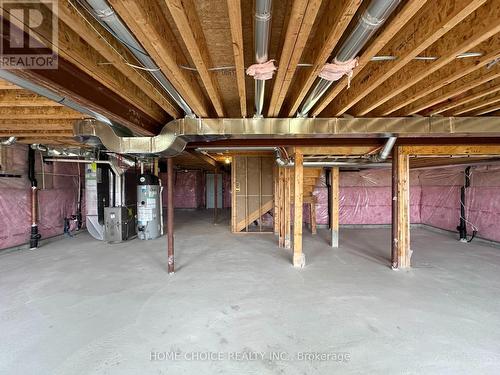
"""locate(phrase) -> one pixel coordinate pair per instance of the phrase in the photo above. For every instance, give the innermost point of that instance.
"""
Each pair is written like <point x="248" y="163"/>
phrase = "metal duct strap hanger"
<point x="263" y="69"/>
<point x="346" y="59"/>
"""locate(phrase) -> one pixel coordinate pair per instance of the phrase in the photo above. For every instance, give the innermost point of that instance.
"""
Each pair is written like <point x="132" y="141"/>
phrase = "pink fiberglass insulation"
<point x="57" y="201"/>
<point x="440" y="206"/>
<point x="189" y="189"/>
<point x="365" y="198"/>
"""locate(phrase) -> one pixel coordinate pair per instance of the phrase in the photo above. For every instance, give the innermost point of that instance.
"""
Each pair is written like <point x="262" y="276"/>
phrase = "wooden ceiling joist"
<point x="186" y="20"/>
<point x="234" y="11"/>
<point x="5" y="85"/>
<point x="38" y="113"/>
<point x="97" y="37"/>
<point x="35" y="134"/>
<point x="475" y="29"/>
<point x="469" y="109"/>
<point x="431" y="23"/>
<point x="301" y="20"/>
<point x="24" y="98"/>
<point x="469" y="95"/>
<point x="389" y="31"/>
<point x="71" y="47"/>
<point x="456" y="79"/>
<point x="487" y="111"/>
<point x="334" y="21"/>
<point x="148" y="23"/>
<point x="49" y="124"/>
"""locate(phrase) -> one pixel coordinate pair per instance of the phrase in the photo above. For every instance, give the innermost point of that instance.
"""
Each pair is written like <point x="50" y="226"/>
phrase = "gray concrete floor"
<point x="79" y="306"/>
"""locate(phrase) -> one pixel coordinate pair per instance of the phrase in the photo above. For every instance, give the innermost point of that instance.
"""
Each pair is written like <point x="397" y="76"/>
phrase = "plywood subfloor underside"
<point x="82" y="306"/>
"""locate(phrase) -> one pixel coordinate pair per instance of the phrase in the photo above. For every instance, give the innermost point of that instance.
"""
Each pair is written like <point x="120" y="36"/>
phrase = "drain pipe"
<point x="262" y="33"/>
<point x="462" y="226"/>
<point x="106" y="16"/>
<point x="35" y="236"/>
<point x="370" y="21"/>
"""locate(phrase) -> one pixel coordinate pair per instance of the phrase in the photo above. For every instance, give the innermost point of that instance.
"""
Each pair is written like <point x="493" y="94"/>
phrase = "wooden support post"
<point x="276" y="216"/>
<point x="281" y="188"/>
<point x="335" y="210"/>
<point x="298" y="257"/>
<point x="287" y="202"/>
<point x="216" y="198"/>
<point x="400" y="252"/>
<point x="170" y="214"/>
<point x="312" y="216"/>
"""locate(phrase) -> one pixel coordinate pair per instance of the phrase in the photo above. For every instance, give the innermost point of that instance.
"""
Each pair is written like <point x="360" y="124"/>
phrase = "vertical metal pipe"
<point x="34" y="236"/>
<point x="374" y="16"/>
<point x="216" y="198"/>
<point x="262" y="27"/>
<point x="170" y="214"/>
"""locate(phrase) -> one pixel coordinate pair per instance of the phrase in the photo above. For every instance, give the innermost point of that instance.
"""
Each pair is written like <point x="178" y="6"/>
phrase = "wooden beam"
<point x="449" y="94"/>
<point x="451" y="150"/>
<point x="468" y="109"/>
<point x="298" y="180"/>
<point x="149" y="25"/>
<point x="336" y="150"/>
<point x="335" y="209"/>
<point x="109" y="48"/>
<point x="301" y="20"/>
<point x="475" y="29"/>
<point x="234" y="10"/>
<point x="38" y="113"/>
<point x="442" y="82"/>
<point x="401" y="253"/>
<point x="36" y="125"/>
<point x="334" y="21"/>
<point x="438" y="16"/>
<point x="186" y="19"/>
<point x="35" y="134"/>
<point x="389" y="31"/>
<point x="54" y="140"/>
<point x="24" y="98"/>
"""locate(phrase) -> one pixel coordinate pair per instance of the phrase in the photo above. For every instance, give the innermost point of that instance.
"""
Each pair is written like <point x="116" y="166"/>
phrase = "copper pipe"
<point x="34" y="208"/>
<point x="170" y="214"/>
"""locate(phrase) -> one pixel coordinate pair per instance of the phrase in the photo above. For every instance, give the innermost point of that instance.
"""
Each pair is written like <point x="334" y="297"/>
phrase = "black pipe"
<point x="462" y="226"/>
<point x="34" y="235"/>
<point x="328" y="172"/>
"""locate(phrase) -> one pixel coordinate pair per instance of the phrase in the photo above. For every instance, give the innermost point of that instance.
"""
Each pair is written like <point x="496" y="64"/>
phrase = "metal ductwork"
<point x="262" y="33"/>
<point x="8" y="141"/>
<point x="106" y="16"/>
<point x="373" y="17"/>
<point x="49" y="94"/>
<point x="166" y="144"/>
<point x="385" y="151"/>
<point x="175" y="135"/>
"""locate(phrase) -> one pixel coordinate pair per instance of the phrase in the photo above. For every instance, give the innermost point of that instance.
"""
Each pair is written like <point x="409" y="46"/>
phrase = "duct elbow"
<point x="386" y="150"/>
